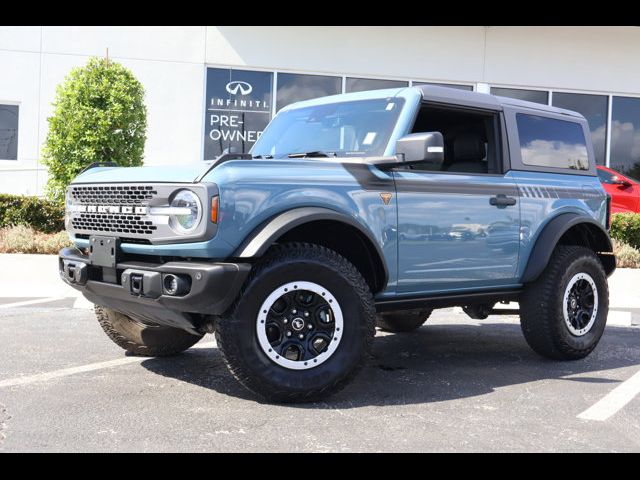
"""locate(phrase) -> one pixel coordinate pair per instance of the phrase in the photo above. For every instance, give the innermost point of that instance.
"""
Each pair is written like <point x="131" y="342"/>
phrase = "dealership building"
<point x="211" y="88"/>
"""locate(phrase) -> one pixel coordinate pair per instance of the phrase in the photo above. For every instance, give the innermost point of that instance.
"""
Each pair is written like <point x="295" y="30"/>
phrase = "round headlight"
<point x="191" y="212"/>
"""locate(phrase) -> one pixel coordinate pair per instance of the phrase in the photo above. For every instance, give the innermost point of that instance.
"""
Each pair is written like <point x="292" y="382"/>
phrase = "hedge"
<point x="626" y="228"/>
<point x="40" y="214"/>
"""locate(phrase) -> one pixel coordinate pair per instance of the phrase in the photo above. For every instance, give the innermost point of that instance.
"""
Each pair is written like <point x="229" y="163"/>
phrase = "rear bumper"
<point x="137" y="288"/>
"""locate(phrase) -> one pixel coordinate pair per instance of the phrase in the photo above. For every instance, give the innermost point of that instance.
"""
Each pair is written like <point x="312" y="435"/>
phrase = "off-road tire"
<point x="141" y="339"/>
<point x="541" y="305"/>
<point x="397" y="322"/>
<point x="236" y="332"/>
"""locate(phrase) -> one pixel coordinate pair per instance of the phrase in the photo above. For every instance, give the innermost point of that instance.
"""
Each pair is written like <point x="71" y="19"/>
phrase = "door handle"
<point x="502" y="201"/>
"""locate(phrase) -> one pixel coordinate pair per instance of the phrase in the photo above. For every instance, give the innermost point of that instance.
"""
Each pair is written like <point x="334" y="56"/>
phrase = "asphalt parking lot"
<point x="454" y="385"/>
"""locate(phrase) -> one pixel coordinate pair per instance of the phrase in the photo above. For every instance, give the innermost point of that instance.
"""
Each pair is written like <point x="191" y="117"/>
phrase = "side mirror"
<point x="421" y="148"/>
<point x="616" y="180"/>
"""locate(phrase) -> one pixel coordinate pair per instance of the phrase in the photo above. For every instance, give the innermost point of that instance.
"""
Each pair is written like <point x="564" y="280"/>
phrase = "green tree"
<point x="99" y="116"/>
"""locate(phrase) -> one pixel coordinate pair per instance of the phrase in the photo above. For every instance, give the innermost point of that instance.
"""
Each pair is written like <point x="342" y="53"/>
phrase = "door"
<point x="459" y="226"/>
<point x="624" y="197"/>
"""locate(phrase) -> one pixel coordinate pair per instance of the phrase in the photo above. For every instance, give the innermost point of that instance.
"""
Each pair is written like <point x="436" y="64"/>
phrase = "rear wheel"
<point x="143" y="339"/>
<point x="402" y="321"/>
<point x="564" y="312"/>
<point x="301" y="327"/>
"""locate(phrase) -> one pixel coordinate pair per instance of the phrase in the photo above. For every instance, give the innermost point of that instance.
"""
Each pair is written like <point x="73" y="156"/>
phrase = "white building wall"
<point x="170" y="62"/>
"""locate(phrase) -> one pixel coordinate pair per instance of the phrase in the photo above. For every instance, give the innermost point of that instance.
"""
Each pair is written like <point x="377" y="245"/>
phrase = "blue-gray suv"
<point x="350" y="211"/>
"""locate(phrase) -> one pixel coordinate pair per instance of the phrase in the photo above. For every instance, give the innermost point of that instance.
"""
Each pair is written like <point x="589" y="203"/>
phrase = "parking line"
<point x="611" y="403"/>
<point x="91" y="367"/>
<point x="31" y="302"/>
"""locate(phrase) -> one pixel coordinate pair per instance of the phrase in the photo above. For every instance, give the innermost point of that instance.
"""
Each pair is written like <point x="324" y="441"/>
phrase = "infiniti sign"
<point x="244" y="88"/>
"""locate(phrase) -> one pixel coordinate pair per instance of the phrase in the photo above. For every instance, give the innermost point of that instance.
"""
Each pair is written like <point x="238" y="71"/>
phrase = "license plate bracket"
<point x="103" y="251"/>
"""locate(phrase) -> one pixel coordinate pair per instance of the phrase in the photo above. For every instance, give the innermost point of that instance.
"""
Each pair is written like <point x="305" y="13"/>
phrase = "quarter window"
<point x="548" y="142"/>
<point x="9" y="132"/>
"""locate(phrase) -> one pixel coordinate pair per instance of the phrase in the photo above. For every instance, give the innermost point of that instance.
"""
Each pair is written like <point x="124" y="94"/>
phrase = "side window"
<point x="470" y="140"/>
<point x="605" y="177"/>
<point x="548" y="142"/>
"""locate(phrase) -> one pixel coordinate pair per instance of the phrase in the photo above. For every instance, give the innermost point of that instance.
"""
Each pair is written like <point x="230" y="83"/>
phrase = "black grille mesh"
<point x="113" y="194"/>
<point x="136" y="195"/>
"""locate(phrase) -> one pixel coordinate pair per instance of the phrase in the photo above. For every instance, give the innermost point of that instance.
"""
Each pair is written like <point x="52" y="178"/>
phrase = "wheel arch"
<point x="326" y="227"/>
<point x="569" y="229"/>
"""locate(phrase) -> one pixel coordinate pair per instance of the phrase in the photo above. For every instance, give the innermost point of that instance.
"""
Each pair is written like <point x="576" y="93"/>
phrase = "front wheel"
<point x="141" y="338"/>
<point x="301" y="327"/>
<point x="564" y="312"/>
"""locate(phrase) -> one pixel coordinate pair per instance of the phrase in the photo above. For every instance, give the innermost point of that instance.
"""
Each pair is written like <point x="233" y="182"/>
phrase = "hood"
<point x="169" y="174"/>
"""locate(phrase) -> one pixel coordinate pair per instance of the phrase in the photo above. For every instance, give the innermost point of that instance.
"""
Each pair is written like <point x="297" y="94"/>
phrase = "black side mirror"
<point x="616" y="180"/>
<point x="421" y="148"/>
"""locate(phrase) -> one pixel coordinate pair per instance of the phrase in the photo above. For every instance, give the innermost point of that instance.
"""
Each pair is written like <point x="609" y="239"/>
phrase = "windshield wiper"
<point x="267" y="157"/>
<point x="316" y="153"/>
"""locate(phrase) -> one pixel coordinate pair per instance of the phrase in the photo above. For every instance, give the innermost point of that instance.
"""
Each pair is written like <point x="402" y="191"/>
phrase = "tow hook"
<point x="75" y="272"/>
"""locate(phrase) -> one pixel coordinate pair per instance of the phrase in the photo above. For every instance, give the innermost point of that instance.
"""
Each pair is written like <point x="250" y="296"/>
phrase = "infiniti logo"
<point x="244" y="88"/>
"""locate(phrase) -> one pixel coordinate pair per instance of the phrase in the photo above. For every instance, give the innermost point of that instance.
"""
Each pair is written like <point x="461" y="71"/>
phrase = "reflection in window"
<point x="363" y="84"/>
<point x="537" y="96"/>
<point x="8" y="132"/>
<point x="625" y="136"/>
<point x="448" y="85"/>
<point x="293" y="87"/>
<point x="547" y="142"/>
<point x="594" y="109"/>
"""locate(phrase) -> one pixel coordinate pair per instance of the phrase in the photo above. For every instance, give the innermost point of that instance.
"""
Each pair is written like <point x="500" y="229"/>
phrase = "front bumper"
<point x="137" y="288"/>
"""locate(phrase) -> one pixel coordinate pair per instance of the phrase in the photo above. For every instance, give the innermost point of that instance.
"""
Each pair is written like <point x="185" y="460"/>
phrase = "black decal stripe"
<point x="367" y="179"/>
<point x="423" y="186"/>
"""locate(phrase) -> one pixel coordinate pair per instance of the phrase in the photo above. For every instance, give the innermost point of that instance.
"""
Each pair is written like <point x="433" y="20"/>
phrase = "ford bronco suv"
<point x="350" y="210"/>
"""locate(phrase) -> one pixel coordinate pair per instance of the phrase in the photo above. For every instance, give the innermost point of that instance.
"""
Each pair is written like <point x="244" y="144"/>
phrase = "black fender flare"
<point x="258" y="242"/>
<point x="551" y="234"/>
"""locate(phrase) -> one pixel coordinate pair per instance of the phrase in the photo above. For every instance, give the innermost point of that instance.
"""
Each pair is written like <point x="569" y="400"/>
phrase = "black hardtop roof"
<point x="436" y="93"/>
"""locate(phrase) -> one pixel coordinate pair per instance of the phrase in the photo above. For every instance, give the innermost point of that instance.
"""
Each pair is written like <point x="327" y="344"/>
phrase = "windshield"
<point x="360" y="127"/>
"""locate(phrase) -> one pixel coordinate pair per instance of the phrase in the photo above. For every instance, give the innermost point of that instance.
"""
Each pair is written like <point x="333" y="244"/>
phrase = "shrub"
<point x="626" y="228"/>
<point x="99" y="116"/>
<point x="40" y="214"/>
<point x="626" y="255"/>
<point x="22" y="239"/>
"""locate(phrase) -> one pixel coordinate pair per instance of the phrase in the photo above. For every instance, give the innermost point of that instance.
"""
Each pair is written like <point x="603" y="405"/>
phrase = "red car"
<point x="624" y="190"/>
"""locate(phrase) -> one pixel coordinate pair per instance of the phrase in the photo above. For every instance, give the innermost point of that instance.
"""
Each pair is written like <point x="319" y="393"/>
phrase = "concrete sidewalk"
<point x="28" y="276"/>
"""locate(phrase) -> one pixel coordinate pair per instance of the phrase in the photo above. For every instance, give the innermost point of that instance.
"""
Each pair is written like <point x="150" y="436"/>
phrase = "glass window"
<point x="605" y="176"/>
<point x="293" y="87"/>
<point x="363" y="84"/>
<point x="449" y="85"/>
<point x="347" y="128"/>
<point x="537" y="96"/>
<point x="8" y="132"/>
<point x="625" y="136"/>
<point x="548" y="142"/>
<point x="238" y="108"/>
<point x="594" y="109"/>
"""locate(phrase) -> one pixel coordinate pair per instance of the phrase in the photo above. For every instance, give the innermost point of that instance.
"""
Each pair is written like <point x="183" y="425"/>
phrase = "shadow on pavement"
<point x="433" y="364"/>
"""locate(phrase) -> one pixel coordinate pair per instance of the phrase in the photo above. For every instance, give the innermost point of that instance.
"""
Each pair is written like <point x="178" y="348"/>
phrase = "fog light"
<point x="174" y="285"/>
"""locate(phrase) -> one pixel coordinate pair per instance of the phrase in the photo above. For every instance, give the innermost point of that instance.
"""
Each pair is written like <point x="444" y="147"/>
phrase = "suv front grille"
<point x="98" y="222"/>
<point x="113" y="194"/>
<point x="120" y="224"/>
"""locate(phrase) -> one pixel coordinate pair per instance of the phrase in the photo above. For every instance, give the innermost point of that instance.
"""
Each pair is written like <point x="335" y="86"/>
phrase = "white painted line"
<point x="619" y="318"/>
<point x="614" y="400"/>
<point x="31" y="302"/>
<point x="91" y="367"/>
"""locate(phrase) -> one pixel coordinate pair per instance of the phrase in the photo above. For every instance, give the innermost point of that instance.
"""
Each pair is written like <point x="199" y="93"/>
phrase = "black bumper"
<point x="212" y="288"/>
